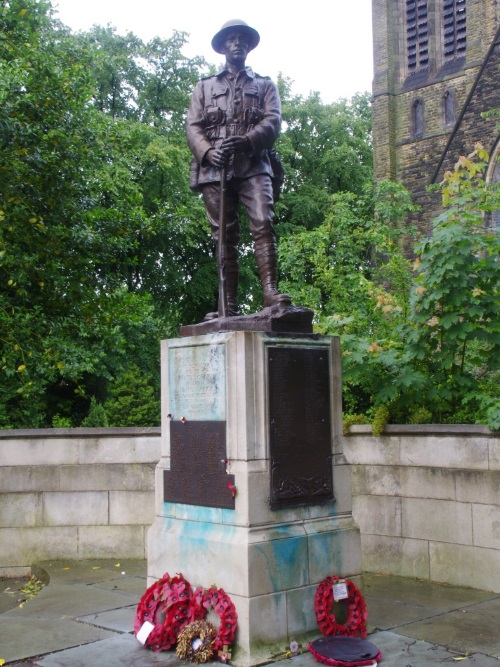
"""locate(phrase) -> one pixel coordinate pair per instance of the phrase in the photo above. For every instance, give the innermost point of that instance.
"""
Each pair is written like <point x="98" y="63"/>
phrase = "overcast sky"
<point x="322" y="45"/>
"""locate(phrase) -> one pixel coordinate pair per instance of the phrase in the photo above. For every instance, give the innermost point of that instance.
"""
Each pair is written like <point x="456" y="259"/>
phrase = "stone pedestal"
<point x="289" y="524"/>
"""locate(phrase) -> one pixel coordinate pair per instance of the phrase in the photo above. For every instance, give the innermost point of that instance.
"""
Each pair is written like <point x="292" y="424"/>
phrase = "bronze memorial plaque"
<point x="197" y="474"/>
<point x="300" y="429"/>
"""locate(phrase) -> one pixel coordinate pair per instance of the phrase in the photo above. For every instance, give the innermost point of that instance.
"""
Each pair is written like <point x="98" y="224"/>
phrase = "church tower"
<point x="436" y="70"/>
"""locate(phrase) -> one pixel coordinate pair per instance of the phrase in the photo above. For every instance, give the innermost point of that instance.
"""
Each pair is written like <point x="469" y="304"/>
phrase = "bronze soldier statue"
<point x="233" y="121"/>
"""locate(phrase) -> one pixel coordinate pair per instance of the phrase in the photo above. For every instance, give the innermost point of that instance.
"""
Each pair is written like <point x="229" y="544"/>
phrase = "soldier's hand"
<point x="218" y="157"/>
<point x="236" y="144"/>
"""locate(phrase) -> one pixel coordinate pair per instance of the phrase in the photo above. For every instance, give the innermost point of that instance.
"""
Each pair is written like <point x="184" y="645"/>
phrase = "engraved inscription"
<point x="197" y="382"/>
<point x="299" y="428"/>
<point x="198" y="471"/>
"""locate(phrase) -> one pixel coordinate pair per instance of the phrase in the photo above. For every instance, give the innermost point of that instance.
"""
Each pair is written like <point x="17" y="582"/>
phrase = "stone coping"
<point x="129" y="431"/>
<point x="476" y="430"/>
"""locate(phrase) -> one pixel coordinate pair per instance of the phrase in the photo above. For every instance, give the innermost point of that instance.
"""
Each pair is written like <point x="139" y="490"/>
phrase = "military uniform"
<point x="228" y="105"/>
<point x="223" y="106"/>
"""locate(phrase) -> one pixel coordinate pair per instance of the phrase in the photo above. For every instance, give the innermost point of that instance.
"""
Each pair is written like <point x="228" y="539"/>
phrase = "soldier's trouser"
<point x="256" y="195"/>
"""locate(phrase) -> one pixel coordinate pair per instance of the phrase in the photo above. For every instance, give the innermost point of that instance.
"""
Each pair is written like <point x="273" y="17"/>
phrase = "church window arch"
<point x="417" y="35"/>
<point x="449" y="108"/>
<point x="454" y="28"/>
<point x="417" y="118"/>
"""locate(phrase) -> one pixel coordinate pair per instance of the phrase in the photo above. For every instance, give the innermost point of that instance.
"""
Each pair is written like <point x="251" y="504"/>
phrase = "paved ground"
<point x="84" y="618"/>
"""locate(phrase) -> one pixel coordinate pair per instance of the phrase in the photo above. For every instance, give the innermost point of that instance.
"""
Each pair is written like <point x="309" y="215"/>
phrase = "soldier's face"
<point x="236" y="47"/>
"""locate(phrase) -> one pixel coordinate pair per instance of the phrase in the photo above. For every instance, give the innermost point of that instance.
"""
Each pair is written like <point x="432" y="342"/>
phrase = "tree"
<point x="103" y="248"/>
<point x="325" y="149"/>
<point x="420" y="343"/>
<point x="132" y="400"/>
<point x="456" y="300"/>
<point x="65" y="239"/>
<point x="150" y="84"/>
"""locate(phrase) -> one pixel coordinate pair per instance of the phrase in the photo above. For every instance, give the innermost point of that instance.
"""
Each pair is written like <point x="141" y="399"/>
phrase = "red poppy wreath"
<point x="218" y="600"/>
<point x="165" y="605"/>
<point x="355" y="623"/>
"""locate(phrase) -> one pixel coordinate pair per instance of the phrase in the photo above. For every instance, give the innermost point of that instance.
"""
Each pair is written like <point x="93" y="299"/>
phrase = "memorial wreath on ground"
<point x="171" y="612"/>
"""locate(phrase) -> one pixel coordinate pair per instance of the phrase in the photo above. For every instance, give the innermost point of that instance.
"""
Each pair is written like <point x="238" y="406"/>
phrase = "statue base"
<point x="279" y="319"/>
<point x="253" y="492"/>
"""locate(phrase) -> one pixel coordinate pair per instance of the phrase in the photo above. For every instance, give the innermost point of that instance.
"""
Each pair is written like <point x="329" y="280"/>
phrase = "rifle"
<point x="221" y="245"/>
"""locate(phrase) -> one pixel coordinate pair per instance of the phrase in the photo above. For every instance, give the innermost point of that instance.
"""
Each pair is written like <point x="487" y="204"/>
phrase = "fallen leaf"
<point x="97" y="567"/>
<point x="117" y="564"/>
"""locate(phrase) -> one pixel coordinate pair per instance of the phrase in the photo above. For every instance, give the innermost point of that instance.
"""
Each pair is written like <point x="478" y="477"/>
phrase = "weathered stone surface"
<point x="379" y="480"/>
<point x="112" y="477"/>
<point x="337" y="549"/>
<point x="494" y="453"/>
<point x="486" y="526"/>
<point x="402" y="154"/>
<point x="463" y="565"/>
<point x="342" y="488"/>
<point x="256" y="554"/>
<point x="46" y="636"/>
<point x="24" y="546"/>
<point x="39" y="451"/>
<point x="139" y="449"/>
<point x="75" y="508"/>
<point x="131" y="507"/>
<point x="369" y="450"/>
<point x="21" y="509"/>
<point x="428" y="482"/>
<point x="266" y="562"/>
<point x="477" y="486"/>
<point x="301" y="614"/>
<point x="378" y="515"/>
<point x="400" y="556"/>
<point x="116" y="650"/>
<point x="26" y="479"/>
<point x="445" y="452"/>
<point x="111" y="541"/>
<point x="439" y="520"/>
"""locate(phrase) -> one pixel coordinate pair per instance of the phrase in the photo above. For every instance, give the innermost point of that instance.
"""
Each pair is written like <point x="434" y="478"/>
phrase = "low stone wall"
<point x="75" y="493"/>
<point x="426" y="498"/>
<point x="427" y="501"/>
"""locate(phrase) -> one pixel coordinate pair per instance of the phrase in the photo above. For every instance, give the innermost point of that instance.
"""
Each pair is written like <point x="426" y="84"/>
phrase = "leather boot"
<point x="266" y="256"/>
<point x="232" y="274"/>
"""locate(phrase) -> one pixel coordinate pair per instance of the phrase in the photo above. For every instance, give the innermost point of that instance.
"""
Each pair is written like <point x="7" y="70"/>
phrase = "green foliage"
<point x="455" y="331"/>
<point x="97" y="417"/>
<point x="348" y="269"/>
<point x="93" y="183"/>
<point x="132" y="400"/>
<point x="61" y="422"/>
<point x="380" y="419"/>
<point x="420" y="415"/>
<point x="351" y="420"/>
<point x="420" y="343"/>
<point x="325" y="148"/>
<point x="104" y="250"/>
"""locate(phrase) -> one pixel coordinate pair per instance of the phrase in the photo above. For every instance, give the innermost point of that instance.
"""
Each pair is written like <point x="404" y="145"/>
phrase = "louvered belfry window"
<point x="455" y="28"/>
<point x="417" y="34"/>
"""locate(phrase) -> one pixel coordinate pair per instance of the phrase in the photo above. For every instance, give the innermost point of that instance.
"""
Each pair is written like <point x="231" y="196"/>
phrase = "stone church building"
<point x="436" y="70"/>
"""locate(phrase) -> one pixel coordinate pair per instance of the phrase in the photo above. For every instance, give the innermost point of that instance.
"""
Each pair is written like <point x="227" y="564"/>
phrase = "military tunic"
<point x="224" y="105"/>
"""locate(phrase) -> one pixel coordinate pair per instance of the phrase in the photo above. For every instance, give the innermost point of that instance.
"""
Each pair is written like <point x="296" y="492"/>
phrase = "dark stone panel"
<point x="197" y="475"/>
<point x="299" y="426"/>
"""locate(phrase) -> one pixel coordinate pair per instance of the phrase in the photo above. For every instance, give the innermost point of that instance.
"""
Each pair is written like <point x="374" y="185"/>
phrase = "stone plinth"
<point x="269" y="561"/>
